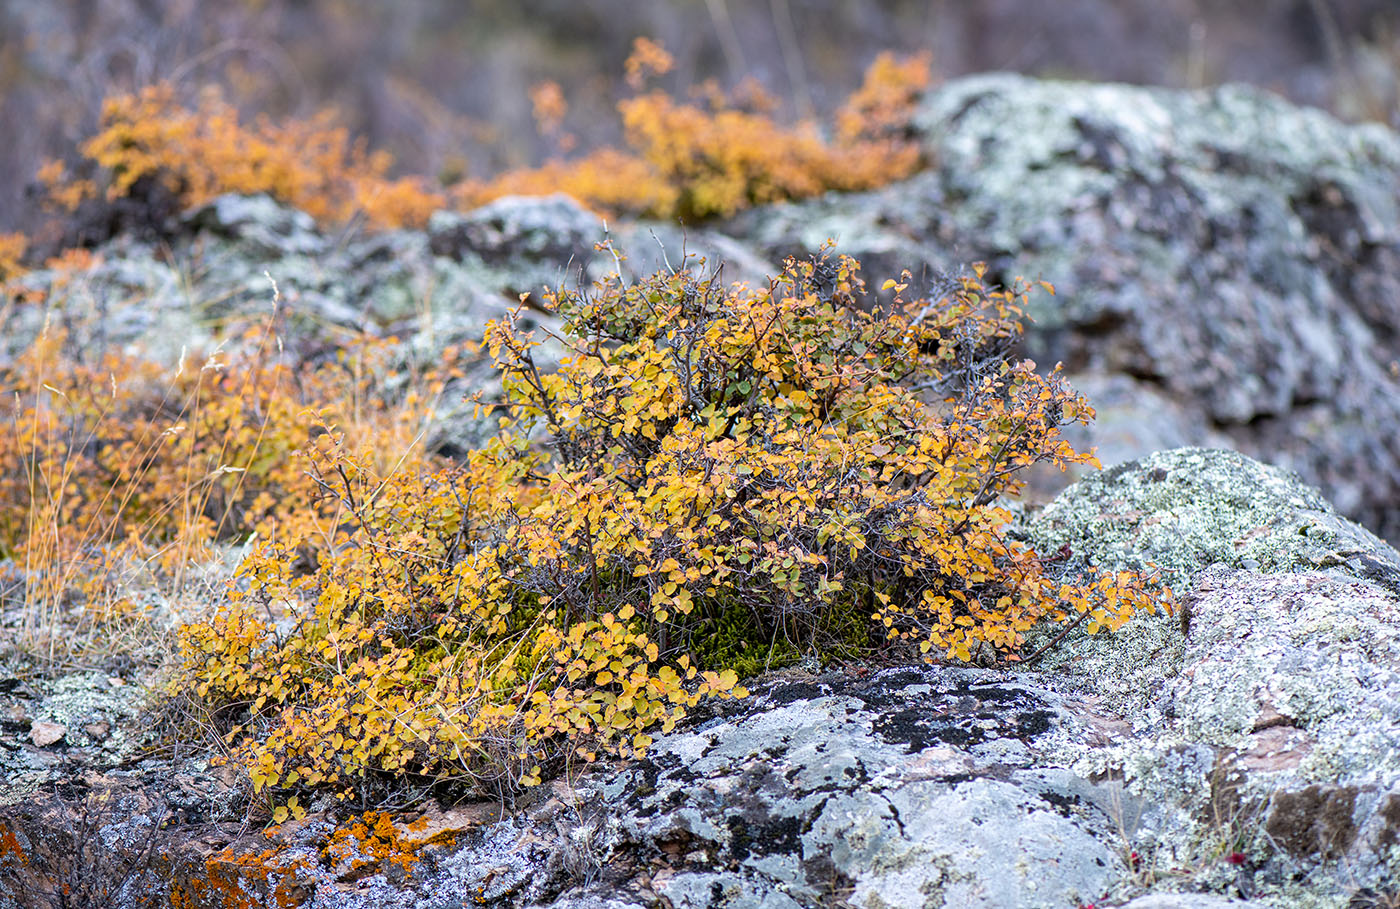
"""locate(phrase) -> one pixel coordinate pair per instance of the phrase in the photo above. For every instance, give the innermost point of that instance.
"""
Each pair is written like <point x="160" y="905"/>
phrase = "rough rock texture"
<point x="1229" y="250"/>
<point x="526" y="243"/>
<point x="1278" y="679"/>
<point x="90" y="714"/>
<point x="1189" y="508"/>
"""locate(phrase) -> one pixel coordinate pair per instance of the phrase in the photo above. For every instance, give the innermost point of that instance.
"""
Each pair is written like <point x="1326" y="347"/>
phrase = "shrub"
<point x="12" y="249"/>
<point x="707" y="468"/>
<point x="154" y="155"/>
<point x="689" y="162"/>
<point x="149" y="139"/>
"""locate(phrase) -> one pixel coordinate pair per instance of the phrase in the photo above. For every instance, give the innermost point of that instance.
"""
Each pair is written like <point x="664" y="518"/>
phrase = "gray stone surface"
<point x="1264" y="716"/>
<point x="98" y="715"/>
<point x="1186" y="901"/>
<point x="522" y="242"/>
<point x="1185" y="509"/>
<point x="870" y="792"/>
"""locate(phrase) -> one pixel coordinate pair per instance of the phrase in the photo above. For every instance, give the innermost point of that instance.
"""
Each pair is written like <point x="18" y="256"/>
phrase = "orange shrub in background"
<point x="684" y="161"/>
<point x="206" y="151"/>
<point x="12" y="248"/>
<point x="881" y="107"/>
<point x="607" y="181"/>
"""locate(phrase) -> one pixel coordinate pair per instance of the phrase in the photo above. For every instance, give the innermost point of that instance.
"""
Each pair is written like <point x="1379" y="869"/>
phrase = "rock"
<point x="96" y="722"/>
<point x="525" y="242"/>
<point x="871" y="791"/>
<point x="1274" y="693"/>
<point x="653" y="246"/>
<point x="264" y="227"/>
<point x="43" y="734"/>
<point x="1276" y="745"/>
<point x="1186" y="509"/>
<point x="1237" y="253"/>
<point x="1186" y="901"/>
<point x="1131" y="418"/>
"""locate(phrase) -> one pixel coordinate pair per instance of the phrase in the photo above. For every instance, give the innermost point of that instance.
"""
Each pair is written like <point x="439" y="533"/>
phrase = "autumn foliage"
<point x="198" y="153"/>
<point x="118" y="473"/>
<point x="716" y="157"/>
<point x="690" y="160"/>
<point x="778" y="464"/>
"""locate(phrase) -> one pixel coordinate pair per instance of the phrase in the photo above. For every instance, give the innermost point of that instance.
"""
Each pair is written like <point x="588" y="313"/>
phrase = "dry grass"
<point x="128" y="491"/>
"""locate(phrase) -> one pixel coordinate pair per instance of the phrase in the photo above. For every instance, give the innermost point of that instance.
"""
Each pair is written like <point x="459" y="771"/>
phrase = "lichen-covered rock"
<point x="1263" y="719"/>
<point x="263" y="226"/>
<point x="522" y="242"/>
<point x="900" y="791"/>
<point x="1237" y="252"/>
<point x="1185" y="509"/>
<point x="1182" y="901"/>
<point x="240" y="258"/>
<point x="43" y="721"/>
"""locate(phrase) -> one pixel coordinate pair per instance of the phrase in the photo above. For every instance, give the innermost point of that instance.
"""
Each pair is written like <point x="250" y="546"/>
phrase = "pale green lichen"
<point x="1293" y="624"/>
<point x="1186" y="509"/>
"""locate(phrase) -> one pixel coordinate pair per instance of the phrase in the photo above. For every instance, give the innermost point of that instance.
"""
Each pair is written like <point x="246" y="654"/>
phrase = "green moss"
<point x="734" y="639"/>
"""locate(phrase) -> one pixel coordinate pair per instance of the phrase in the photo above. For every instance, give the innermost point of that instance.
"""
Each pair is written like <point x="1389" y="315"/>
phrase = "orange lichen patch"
<point x="230" y="879"/>
<point x="202" y="152"/>
<point x="372" y="843"/>
<point x="10" y="849"/>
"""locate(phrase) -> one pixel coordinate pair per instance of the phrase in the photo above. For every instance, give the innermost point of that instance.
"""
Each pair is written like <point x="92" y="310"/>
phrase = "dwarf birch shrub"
<point x="706" y="462"/>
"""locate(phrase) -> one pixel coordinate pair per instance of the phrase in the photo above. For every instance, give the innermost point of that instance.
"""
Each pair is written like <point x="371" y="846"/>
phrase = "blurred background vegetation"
<point x="445" y="85"/>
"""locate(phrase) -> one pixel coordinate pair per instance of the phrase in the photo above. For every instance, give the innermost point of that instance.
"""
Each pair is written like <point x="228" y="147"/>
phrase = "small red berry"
<point x="1235" y="858"/>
